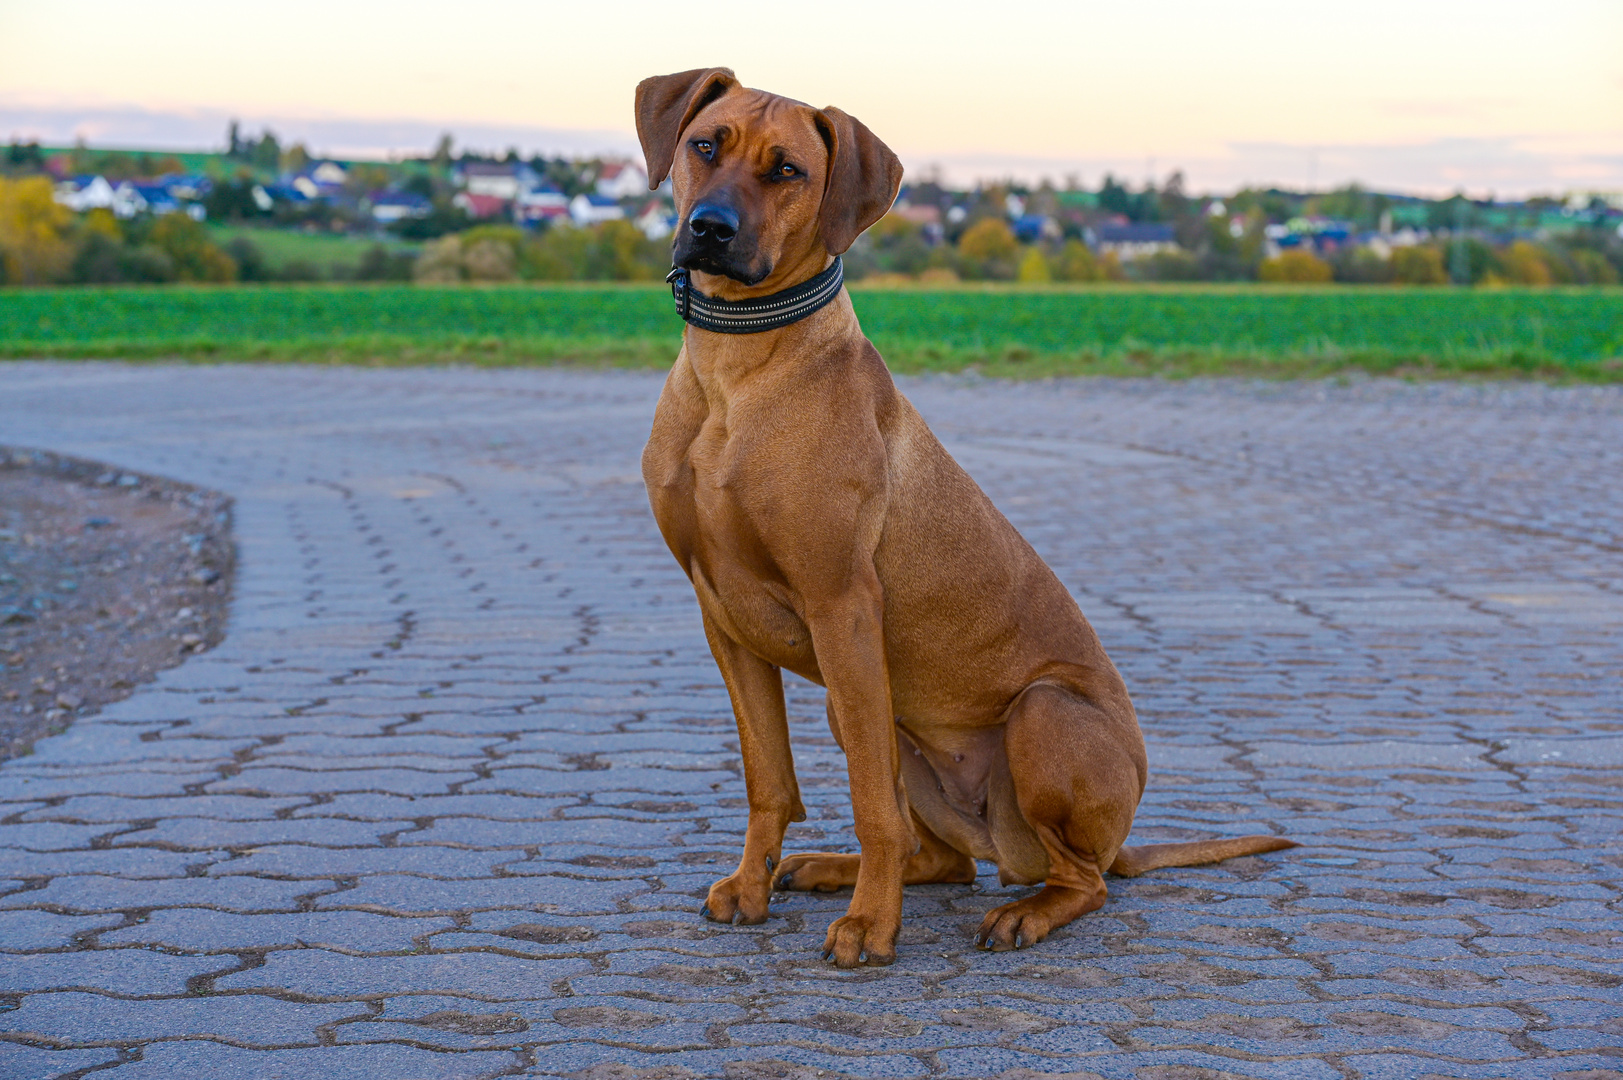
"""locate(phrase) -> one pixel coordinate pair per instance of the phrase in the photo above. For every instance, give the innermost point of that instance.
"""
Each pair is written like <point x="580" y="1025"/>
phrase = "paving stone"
<point x="27" y="930"/>
<point x="162" y="1061"/>
<point x="119" y="894"/>
<point x="118" y="971"/>
<point x="206" y="930"/>
<point x="464" y="769"/>
<point x="486" y="976"/>
<point x="243" y="1019"/>
<point x="19" y="1061"/>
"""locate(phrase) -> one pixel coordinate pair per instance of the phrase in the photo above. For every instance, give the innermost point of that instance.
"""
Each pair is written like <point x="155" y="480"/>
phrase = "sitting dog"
<point x="827" y="531"/>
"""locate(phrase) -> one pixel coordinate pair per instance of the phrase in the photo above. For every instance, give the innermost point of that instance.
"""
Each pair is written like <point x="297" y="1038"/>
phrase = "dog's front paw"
<point x="861" y="939"/>
<point x="735" y="900"/>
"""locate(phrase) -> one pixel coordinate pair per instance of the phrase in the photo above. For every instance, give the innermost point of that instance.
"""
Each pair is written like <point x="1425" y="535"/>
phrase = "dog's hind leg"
<point x="1078" y="770"/>
<point x="756" y="689"/>
<point x="825" y="871"/>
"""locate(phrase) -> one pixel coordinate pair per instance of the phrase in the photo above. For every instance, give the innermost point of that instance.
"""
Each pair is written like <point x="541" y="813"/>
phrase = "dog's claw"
<point x="827" y="953"/>
<point x="704" y="913"/>
<point x="783" y="882"/>
<point x="770" y="863"/>
<point x="1019" y="941"/>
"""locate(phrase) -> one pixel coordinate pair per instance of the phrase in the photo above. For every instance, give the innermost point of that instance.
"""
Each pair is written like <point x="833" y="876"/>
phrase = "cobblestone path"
<point x="445" y="802"/>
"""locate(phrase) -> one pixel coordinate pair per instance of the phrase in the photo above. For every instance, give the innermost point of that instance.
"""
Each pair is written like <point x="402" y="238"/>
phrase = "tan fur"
<point x="827" y="531"/>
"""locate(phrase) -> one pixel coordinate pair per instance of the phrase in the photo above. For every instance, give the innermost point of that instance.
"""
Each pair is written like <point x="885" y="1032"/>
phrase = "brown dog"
<point x="826" y="531"/>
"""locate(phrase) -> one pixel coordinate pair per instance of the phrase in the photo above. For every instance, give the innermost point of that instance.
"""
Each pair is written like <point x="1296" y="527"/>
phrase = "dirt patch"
<point x="1362" y="932"/>
<point x="548" y="935"/>
<point x="1382" y="1025"/>
<point x="463" y="1023"/>
<point x="697" y="976"/>
<point x="107" y="577"/>
<point x="867" y="1025"/>
<point x="608" y="1016"/>
<point x="994" y="1018"/>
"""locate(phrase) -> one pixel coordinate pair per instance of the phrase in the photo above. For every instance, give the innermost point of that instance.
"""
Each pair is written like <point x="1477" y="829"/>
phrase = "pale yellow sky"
<point x="1423" y="94"/>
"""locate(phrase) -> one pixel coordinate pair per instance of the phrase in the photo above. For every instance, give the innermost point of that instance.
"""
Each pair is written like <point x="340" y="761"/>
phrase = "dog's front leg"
<point x="756" y="689"/>
<point x="848" y="636"/>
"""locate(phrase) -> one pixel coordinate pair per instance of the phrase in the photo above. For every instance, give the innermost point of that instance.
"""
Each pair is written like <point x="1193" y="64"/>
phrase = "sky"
<point x="1428" y="96"/>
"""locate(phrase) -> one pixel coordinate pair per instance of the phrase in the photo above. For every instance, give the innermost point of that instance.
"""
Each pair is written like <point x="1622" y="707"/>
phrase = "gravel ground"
<point x="106" y="578"/>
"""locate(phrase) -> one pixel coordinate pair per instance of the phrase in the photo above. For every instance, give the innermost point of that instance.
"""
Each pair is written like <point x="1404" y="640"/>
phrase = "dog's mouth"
<point x="727" y="262"/>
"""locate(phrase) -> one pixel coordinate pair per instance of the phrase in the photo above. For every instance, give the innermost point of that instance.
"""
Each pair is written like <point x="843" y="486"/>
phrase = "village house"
<point x="538" y="205"/>
<point x="656" y="221"/>
<point x="388" y="207"/>
<point x="594" y="209"/>
<point x="621" y="180"/>
<point x="481" y="206"/>
<point x="1132" y="240"/>
<point x="501" y="180"/>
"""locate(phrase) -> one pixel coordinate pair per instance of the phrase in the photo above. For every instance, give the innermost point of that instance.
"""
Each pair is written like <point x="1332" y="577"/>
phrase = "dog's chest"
<point x="718" y="512"/>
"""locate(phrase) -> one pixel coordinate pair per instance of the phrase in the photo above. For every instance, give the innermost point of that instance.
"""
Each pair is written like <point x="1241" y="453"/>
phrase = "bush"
<point x="1076" y="263"/>
<point x="1418" y="266"/>
<point x="195" y="256"/>
<point x="490" y="260"/>
<point x="440" y="262"/>
<point x="612" y="251"/>
<point x="99" y="260"/>
<point x="1523" y="264"/>
<point x="1169" y="266"/>
<point x="381" y="264"/>
<point x="1361" y="266"/>
<point x="250" y="260"/>
<point x="148" y="264"/>
<point x="34" y="246"/>
<point x="299" y="270"/>
<point x="1295" y="267"/>
<point x="988" y="250"/>
<point x="1033" y="267"/>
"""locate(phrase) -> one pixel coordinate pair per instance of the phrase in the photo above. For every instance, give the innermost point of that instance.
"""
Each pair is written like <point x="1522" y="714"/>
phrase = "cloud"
<point x="1503" y="166"/>
<point x="1506" y="166"/>
<point x="339" y="136"/>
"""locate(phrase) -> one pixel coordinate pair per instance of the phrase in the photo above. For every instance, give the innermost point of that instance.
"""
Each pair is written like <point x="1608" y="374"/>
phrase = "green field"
<point x="1550" y="333"/>
<point x="283" y="246"/>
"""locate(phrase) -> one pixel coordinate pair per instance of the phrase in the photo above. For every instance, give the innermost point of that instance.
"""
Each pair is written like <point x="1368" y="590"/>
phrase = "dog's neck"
<point x="725" y="364"/>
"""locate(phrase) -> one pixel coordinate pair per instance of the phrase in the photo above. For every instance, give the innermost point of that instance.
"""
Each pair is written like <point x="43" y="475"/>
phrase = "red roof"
<point x="482" y="206"/>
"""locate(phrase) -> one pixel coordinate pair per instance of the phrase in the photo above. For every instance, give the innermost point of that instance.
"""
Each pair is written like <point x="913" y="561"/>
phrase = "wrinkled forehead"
<point x="762" y="123"/>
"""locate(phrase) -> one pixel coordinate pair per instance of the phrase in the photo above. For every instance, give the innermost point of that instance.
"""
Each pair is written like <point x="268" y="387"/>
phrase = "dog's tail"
<point x="1133" y="861"/>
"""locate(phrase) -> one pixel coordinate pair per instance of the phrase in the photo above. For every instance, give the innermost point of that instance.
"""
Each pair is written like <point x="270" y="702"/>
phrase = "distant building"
<point x="594" y="209"/>
<point x="83" y="193"/>
<point x="502" y="180"/>
<point x="1133" y="240"/>
<point x="482" y="206"/>
<point x="656" y="220"/>
<point x="621" y="180"/>
<point x="540" y="204"/>
<point x="388" y="207"/>
<point x="320" y="180"/>
<point x="917" y="214"/>
<point x="1030" y="228"/>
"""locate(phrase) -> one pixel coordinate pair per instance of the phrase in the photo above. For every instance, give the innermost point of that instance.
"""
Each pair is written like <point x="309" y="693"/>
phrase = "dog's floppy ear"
<point x="863" y="178"/>
<point x="665" y="104"/>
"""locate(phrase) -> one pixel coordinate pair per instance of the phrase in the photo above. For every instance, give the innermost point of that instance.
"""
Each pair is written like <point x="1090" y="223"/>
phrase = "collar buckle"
<point x="681" y="284"/>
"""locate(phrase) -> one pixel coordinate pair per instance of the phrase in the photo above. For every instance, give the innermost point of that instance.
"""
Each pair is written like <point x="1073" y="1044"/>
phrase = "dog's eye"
<point x="705" y="147"/>
<point x="787" y="170"/>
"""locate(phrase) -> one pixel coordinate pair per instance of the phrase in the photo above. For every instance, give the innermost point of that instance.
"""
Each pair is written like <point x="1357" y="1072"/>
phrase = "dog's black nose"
<point x="717" y="224"/>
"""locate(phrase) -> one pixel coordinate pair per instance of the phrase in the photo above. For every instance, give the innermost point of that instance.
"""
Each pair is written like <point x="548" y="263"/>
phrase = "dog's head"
<point x="762" y="183"/>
